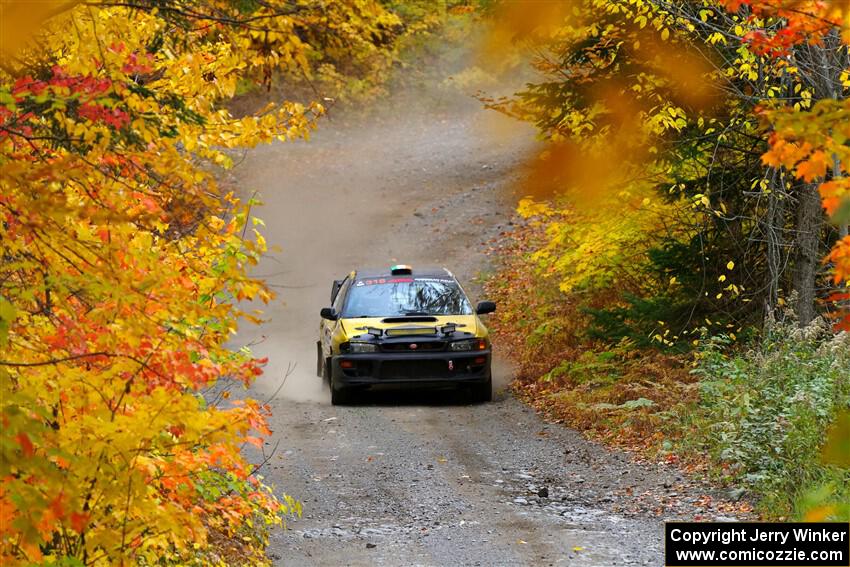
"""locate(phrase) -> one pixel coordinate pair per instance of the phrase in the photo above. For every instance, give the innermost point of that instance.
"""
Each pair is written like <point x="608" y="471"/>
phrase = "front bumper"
<point x="425" y="369"/>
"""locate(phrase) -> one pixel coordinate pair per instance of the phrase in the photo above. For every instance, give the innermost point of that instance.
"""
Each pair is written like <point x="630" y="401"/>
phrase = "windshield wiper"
<point x="410" y="313"/>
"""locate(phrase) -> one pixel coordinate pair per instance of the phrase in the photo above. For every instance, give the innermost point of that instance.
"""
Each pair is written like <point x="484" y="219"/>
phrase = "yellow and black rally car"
<point x="403" y="327"/>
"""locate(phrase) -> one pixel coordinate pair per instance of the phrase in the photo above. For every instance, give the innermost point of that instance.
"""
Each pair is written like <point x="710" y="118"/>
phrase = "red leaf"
<point x="25" y="443"/>
<point x="79" y="521"/>
<point x="57" y="506"/>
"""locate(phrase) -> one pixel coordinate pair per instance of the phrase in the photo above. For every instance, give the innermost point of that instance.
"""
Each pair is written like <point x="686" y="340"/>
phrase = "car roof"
<point x="423" y="272"/>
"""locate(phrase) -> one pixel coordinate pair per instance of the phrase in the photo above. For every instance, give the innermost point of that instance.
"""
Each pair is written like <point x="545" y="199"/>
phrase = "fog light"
<point x="468" y="344"/>
<point x="346" y="364"/>
<point x="480" y="360"/>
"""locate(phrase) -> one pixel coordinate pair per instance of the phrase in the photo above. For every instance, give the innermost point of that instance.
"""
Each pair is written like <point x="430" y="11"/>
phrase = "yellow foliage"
<point x="604" y="245"/>
<point x="123" y="263"/>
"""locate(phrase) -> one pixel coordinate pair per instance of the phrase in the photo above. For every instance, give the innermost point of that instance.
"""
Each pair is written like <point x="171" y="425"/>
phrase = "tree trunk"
<point x="774" y="225"/>
<point x="807" y="251"/>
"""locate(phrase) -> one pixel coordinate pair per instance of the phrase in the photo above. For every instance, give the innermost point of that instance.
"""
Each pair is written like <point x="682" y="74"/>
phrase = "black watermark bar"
<point x="757" y="544"/>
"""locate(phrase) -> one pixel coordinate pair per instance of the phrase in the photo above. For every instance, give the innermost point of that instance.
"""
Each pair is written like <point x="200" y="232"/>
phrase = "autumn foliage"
<point x="123" y="263"/>
<point x="698" y="127"/>
<point x="692" y="192"/>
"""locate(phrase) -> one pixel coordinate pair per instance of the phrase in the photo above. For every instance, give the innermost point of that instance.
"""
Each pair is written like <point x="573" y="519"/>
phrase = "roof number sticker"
<point x="378" y="281"/>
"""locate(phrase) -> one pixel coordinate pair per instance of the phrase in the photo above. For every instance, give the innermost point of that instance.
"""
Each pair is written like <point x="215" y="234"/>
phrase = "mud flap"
<point x="319" y="359"/>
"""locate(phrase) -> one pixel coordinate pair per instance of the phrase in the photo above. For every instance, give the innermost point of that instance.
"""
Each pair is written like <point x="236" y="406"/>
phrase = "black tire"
<point x="340" y="396"/>
<point x="482" y="393"/>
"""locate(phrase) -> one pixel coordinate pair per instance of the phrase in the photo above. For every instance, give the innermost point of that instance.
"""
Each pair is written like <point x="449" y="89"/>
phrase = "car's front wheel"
<point x="339" y="394"/>
<point x="483" y="392"/>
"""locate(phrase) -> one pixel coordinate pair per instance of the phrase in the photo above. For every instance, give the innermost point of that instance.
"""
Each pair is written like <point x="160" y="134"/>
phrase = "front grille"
<point x="435" y="368"/>
<point x="394" y="369"/>
<point x="409" y="346"/>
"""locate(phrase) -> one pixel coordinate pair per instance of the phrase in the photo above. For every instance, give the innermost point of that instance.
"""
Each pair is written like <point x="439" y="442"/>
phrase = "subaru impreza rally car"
<point x="403" y="327"/>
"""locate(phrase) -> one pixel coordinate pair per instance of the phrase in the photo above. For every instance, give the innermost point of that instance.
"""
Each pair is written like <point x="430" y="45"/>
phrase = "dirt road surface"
<point x="416" y="478"/>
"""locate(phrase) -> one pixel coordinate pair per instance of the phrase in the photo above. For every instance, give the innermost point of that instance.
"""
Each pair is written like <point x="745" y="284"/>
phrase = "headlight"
<point x="468" y="344"/>
<point x="359" y="348"/>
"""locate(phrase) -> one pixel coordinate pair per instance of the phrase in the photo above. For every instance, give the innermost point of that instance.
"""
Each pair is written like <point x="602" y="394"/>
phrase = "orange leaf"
<point x="7" y="515"/>
<point x="820" y="514"/>
<point x="834" y="193"/>
<point x="57" y="506"/>
<point x="812" y="168"/>
<point x="840" y="256"/>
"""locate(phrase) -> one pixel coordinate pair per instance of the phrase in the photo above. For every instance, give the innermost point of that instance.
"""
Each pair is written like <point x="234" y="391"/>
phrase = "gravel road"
<point x="418" y="478"/>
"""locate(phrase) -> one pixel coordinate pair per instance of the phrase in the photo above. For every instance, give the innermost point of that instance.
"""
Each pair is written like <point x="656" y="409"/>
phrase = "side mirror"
<point x="329" y="314"/>
<point x="485" y="307"/>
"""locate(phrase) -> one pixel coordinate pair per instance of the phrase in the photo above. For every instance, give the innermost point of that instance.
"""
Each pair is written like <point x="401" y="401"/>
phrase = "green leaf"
<point x="638" y="403"/>
<point x="7" y="100"/>
<point x="836" y="450"/>
<point x="842" y="213"/>
<point x="7" y="315"/>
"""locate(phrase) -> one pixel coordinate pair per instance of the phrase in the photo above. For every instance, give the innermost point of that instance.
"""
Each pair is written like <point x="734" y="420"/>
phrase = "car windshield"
<point x="389" y="297"/>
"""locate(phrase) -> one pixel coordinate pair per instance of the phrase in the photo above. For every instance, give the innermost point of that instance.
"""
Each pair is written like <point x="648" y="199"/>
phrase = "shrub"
<point x="613" y="391"/>
<point x="763" y="413"/>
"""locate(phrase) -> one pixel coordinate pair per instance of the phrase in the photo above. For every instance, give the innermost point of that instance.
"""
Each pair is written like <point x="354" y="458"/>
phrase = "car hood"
<point x="465" y="323"/>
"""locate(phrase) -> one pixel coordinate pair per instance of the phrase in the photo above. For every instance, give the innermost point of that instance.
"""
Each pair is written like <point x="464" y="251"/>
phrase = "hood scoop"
<point x="410" y="331"/>
<point x="410" y="319"/>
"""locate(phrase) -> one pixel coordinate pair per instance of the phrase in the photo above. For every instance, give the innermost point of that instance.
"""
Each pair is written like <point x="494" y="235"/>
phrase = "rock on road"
<point x="419" y="478"/>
